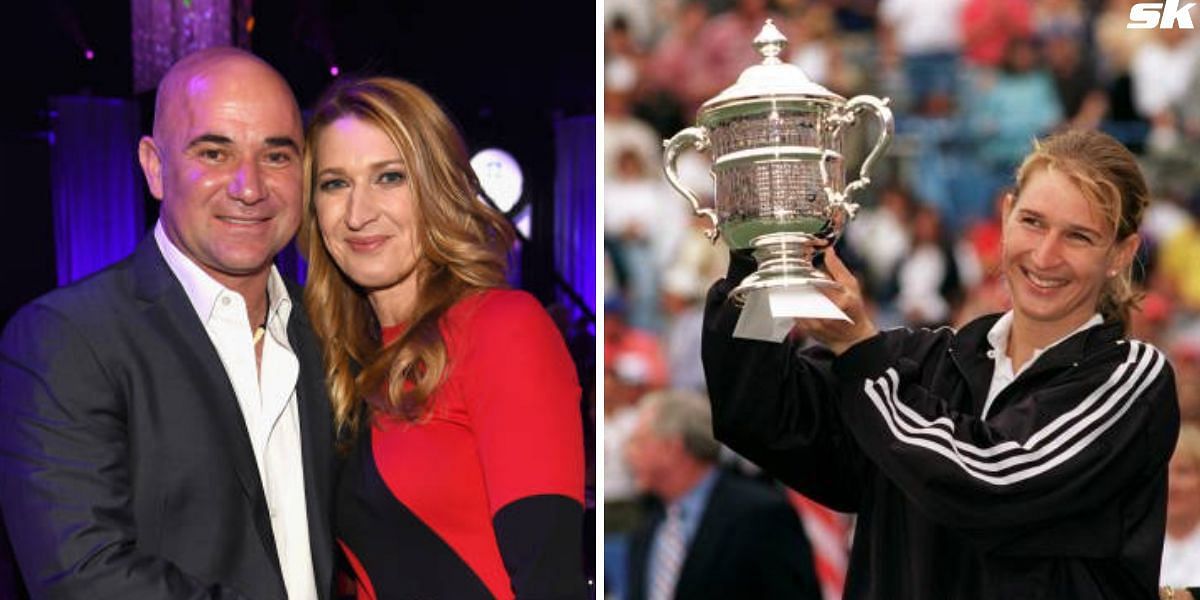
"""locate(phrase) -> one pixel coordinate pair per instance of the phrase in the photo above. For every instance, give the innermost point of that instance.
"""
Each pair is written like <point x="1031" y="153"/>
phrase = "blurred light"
<point x="500" y="176"/>
<point x="334" y="70"/>
<point x="88" y="54"/>
<point x="524" y="221"/>
<point x="250" y="25"/>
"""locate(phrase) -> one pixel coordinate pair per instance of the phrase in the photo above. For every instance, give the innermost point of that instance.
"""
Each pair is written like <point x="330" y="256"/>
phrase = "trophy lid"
<point x="772" y="77"/>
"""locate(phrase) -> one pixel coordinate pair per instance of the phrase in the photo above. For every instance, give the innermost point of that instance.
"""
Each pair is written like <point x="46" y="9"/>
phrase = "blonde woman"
<point x="455" y="400"/>
<point x="1022" y="456"/>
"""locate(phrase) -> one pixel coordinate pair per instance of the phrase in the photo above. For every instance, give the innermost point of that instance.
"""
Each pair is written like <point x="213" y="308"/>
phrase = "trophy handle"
<point x="887" y="127"/>
<point x="691" y="137"/>
<point x="848" y="114"/>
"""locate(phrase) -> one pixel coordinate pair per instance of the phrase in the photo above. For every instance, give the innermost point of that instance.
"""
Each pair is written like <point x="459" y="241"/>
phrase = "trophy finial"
<point x="770" y="42"/>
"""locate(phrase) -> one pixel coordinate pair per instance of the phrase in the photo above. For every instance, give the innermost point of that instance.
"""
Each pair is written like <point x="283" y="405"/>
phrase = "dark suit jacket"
<point x="126" y="470"/>
<point x="749" y="544"/>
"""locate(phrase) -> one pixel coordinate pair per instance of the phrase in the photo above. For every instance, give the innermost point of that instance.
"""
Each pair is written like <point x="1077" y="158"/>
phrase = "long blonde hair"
<point x="1107" y="174"/>
<point x="463" y="243"/>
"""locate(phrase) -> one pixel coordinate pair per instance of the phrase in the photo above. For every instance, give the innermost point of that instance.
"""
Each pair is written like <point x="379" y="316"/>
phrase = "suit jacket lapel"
<point x="639" y="553"/>
<point x="177" y="320"/>
<point x="704" y="549"/>
<point x="316" y="438"/>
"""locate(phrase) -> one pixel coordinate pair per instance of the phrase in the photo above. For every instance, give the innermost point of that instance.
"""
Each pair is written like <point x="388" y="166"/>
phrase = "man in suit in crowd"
<point x="716" y="534"/>
<point x="164" y="427"/>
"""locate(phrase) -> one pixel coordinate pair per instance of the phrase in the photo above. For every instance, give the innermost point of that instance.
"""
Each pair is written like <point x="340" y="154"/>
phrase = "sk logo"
<point x="1163" y="15"/>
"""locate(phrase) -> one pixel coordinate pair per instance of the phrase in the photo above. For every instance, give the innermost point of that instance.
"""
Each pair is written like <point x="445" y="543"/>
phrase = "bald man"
<point x="164" y="427"/>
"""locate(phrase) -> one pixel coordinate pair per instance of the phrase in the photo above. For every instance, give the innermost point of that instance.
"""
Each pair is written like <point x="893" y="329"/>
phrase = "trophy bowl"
<point x="775" y="139"/>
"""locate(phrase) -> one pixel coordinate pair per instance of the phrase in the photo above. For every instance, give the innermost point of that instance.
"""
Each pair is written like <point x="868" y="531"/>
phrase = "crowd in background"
<point x="972" y="83"/>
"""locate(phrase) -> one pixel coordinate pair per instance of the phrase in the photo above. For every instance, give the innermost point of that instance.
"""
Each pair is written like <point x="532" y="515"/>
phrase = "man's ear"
<point x="151" y="165"/>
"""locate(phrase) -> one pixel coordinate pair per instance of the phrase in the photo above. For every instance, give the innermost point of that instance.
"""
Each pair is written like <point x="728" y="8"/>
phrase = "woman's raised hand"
<point x="839" y="335"/>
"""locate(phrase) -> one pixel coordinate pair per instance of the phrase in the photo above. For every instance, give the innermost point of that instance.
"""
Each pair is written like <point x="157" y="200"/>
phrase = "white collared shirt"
<point x="267" y="399"/>
<point x="1003" y="374"/>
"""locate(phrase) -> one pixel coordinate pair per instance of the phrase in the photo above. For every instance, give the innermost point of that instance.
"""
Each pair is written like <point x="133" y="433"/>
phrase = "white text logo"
<point x="1163" y="15"/>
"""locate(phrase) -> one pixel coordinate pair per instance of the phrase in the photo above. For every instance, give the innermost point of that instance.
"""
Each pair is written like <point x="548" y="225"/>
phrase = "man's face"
<point x="651" y="457"/>
<point x="225" y="162"/>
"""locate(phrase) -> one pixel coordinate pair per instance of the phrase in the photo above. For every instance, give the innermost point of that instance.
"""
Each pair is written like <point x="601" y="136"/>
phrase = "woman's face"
<point x="365" y="206"/>
<point x="1058" y="252"/>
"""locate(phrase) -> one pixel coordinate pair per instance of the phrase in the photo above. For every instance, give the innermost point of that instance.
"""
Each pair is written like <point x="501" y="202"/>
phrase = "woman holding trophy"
<point x="1022" y="456"/>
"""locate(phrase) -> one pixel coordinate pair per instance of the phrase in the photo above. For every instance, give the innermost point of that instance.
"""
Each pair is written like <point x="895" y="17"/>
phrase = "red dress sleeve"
<point x="523" y="400"/>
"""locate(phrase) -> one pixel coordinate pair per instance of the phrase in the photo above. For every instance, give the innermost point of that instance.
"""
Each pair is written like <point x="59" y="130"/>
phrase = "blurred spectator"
<point x="724" y="49"/>
<point x="990" y="26"/>
<point x="944" y="156"/>
<point x="624" y="385"/>
<point x="925" y="38"/>
<point x="880" y="235"/>
<point x="985" y="237"/>
<point x="984" y="244"/>
<point x="633" y="354"/>
<point x="812" y="45"/>
<point x="1185" y="359"/>
<point x="1175" y="136"/>
<point x="1115" y="46"/>
<point x="697" y="264"/>
<point x="1178" y="258"/>
<point x="714" y="535"/>
<point x="623" y="56"/>
<point x="633" y="366"/>
<point x="622" y="130"/>
<point x="1181" y="549"/>
<point x="1116" y="43"/>
<point x="1082" y="98"/>
<point x="1010" y="108"/>
<point x="614" y="276"/>
<point x="620" y="409"/>
<point x="643" y="221"/>
<point x="930" y="279"/>
<point x="1161" y="72"/>
<point x="1059" y="19"/>
<point x="989" y="296"/>
<point x="1015" y="106"/>
<point x="854" y="16"/>
<point x="642" y="18"/>
<point x="1152" y="320"/>
<point x="1189" y="109"/>
<point x="1164" y="218"/>
<point x="675" y="66"/>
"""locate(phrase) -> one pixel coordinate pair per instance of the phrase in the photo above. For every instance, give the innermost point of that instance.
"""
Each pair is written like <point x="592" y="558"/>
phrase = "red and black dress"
<point x="485" y="497"/>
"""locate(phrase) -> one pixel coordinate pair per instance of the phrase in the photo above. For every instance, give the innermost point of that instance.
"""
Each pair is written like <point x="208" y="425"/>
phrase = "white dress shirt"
<point x="267" y="399"/>
<point x="1181" y="557"/>
<point x="1003" y="373"/>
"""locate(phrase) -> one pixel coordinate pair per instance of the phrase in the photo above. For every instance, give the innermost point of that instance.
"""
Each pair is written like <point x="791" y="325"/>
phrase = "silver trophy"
<point x="775" y="138"/>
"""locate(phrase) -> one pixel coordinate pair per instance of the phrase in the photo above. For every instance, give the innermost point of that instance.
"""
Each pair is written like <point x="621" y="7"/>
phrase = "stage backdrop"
<point x="575" y="207"/>
<point x="96" y="183"/>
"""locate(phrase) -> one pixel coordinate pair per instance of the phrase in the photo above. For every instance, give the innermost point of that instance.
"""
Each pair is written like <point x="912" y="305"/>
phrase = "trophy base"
<point x="784" y="261"/>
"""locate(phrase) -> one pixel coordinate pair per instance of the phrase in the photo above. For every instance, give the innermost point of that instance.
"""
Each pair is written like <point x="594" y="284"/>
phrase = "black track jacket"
<point x="1059" y="494"/>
